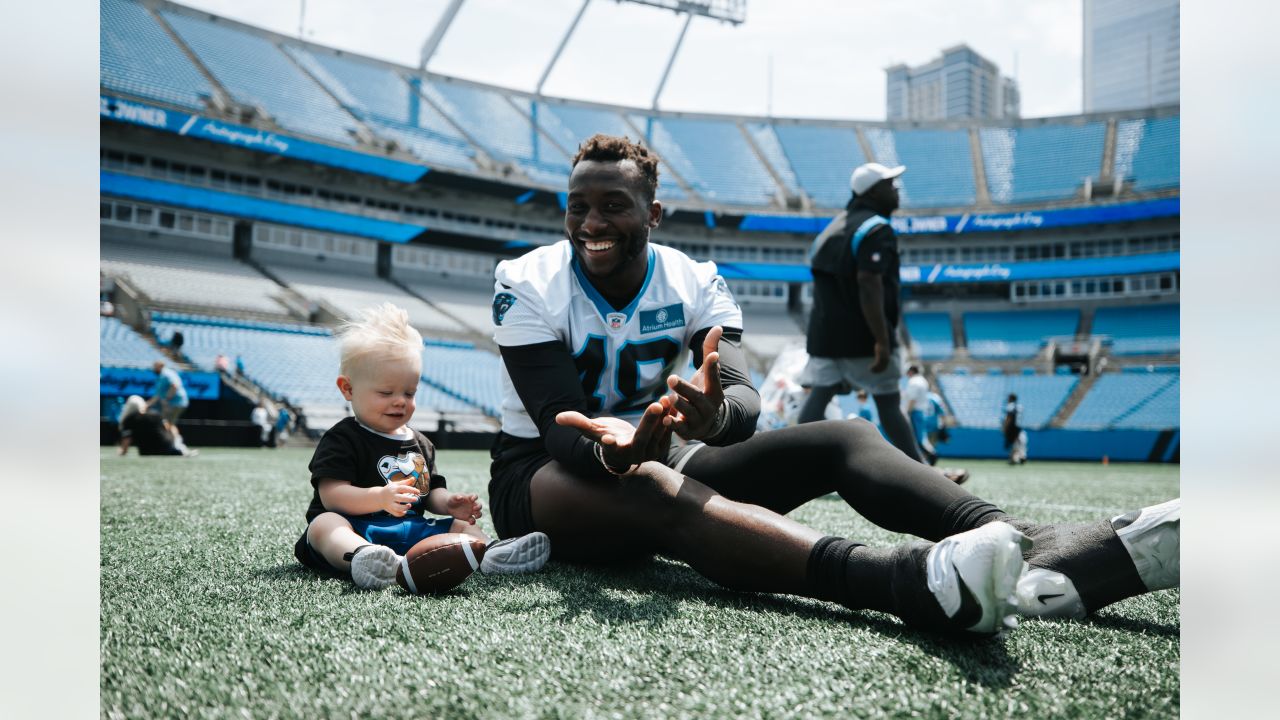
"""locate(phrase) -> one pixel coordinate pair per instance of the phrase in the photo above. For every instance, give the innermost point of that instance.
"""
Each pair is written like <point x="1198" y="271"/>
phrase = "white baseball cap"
<point x="864" y="176"/>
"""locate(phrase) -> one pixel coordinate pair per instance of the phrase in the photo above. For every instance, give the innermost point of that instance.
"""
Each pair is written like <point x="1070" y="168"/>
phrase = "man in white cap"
<point x="853" y="327"/>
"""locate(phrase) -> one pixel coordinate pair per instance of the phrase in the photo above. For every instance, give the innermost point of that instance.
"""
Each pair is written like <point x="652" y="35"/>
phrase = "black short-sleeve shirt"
<point x="837" y="327"/>
<point x="366" y="459"/>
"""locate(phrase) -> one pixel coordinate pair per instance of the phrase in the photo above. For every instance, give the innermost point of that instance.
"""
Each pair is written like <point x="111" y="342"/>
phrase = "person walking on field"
<point x="853" y="328"/>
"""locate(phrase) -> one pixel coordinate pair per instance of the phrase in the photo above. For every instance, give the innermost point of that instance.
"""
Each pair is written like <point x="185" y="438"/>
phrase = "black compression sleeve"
<point x="741" y="401"/>
<point x="547" y="382"/>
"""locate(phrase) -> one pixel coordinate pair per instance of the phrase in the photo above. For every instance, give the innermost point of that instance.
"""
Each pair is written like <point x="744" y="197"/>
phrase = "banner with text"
<point x="175" y="121"/>
<point x="122" y="382"/>
<point x="985" y="222"/>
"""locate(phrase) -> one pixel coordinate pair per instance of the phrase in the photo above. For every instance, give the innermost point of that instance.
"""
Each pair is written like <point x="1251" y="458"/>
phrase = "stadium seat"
<point x="173" y="277"/>
<point x="301" y="366"/>
<point x="1129" y="400"/>
<point x="508" y="134"/>
<point x="978" y="400"/>
<point x="822" y="158"/>
<point x="254" y="70"/>
<point x="121" y="346"/>
<point x="1015" y="334"/>
<point x="939" y="165"/>
<point x="349" y="293"/>
<point x="570" y="125"/>
<point x="1147" y="153"/>
<point x="137" y="57"/>
<point x="714" y="158"/>
<point x="767" y="141"/>
<point x="1041" y="162"/>
<point x="1139" y="329"/>
<point x="386" y="101"/>
<point x="931" y="335"/>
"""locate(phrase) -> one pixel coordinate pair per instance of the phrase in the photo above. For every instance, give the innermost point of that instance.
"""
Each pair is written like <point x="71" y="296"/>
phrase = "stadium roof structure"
<point x="335" y="103"/>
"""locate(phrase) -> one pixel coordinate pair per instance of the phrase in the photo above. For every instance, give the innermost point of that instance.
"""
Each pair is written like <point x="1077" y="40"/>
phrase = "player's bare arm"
<point x="871" y="297"/>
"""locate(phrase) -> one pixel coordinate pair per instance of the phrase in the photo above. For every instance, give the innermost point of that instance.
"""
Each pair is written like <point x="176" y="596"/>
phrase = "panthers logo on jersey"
<point x="502" y="302"/>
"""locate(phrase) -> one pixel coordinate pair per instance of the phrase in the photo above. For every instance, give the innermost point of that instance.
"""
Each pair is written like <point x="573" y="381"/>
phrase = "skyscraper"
<point x="961" y="84"/>
<point x="1131" y="54"/>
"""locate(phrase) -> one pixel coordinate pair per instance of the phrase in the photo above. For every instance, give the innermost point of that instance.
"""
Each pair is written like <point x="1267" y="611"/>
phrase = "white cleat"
<point x="987" y="562"/>
<point x="1152" y="536"/>
<point x="1048" y="594"/>
<point x="524" y="554"/>
<point x="374" y="567"/>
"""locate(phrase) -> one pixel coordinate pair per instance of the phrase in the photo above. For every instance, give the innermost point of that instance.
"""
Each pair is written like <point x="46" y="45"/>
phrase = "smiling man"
<point x="591" y="329"/>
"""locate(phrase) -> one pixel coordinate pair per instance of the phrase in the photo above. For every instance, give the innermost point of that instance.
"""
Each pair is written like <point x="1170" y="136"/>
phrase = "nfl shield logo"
<point x="615" y="320"/>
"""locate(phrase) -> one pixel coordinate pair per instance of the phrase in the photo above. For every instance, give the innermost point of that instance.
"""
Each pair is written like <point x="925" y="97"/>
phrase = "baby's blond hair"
<point x="380" y="333"/>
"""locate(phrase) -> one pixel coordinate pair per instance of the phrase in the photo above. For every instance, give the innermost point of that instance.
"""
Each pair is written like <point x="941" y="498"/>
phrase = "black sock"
<point x="890" y="580"/>
<point x="968" y="513"/>
<point x="348" y="556"/>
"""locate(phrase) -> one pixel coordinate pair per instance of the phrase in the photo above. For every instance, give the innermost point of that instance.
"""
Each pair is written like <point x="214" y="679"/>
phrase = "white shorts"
<point x="849" y="374"/>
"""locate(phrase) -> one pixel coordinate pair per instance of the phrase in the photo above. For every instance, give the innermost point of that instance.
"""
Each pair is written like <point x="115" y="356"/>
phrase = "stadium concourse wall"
<point x="1061" y="444"/>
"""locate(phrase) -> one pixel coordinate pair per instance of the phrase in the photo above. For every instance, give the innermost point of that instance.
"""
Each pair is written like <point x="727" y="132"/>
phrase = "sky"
<point x="827" y="56"/>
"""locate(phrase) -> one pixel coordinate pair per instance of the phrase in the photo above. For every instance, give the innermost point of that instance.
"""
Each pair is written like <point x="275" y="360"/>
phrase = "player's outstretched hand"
<point x="623" y="445"/>
<point x="697" y="401"/>
<point x="464" y="506"/>
<point x="397" y="496"/>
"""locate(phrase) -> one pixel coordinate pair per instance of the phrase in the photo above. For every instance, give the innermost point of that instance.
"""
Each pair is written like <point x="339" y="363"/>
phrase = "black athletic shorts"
<point x="515" y="460"/>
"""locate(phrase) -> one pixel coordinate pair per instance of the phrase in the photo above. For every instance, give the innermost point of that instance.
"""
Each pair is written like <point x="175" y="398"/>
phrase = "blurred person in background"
<point x="1015" y="438"/>
<point x="148" y="432"/>
<point x="260" y="418"/>
<point x="915" y="405"/>
<point x="170" y="394"/>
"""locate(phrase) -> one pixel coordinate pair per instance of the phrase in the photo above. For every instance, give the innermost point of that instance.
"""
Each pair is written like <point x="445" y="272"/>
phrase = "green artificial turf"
<point x="205" y="613"/>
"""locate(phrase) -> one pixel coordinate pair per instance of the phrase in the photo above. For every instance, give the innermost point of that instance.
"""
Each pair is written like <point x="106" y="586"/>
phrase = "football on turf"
<point x="439" y="563"/>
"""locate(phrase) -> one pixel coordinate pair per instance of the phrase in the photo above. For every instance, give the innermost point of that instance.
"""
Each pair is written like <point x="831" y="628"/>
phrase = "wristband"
<point x="605" y="464"/>
<point x="721" y="422"/>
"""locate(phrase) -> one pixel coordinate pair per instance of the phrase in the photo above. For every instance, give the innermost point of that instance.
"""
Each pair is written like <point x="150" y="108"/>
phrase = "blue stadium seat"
<point x="121" y="346"/>
<point x="506" y="133"/>
<point x="1042" y="162"/>
<point x="931" y="333"/>
<point x="301" y="366"/>
<point x="767" y="140"/>
<point x="1139" y="329"/>
<point x="978" y="400"/>
<point x="256" y="72"/>
<point x="714" y="158"/>
<point x="1129" y="400"/>
<point x="1147" y="152"/>
<point x="136" y="56"/>
<point x="1015" y="334"/>
<point x="571" y="125"/>
<point x="387" y="102"/>
<point x="939" y="165"/>
<point x="823" y="159"/>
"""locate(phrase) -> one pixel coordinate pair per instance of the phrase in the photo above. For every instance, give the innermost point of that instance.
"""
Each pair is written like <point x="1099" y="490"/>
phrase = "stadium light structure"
<point x="437" y="34"/>
<point x="730" y="11"/>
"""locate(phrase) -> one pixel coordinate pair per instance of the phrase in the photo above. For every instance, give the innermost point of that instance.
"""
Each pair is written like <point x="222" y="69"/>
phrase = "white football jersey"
<point x="623" y="356"/>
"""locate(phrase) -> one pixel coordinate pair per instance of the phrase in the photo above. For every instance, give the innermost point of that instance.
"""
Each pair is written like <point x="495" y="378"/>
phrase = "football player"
<point x="590" y="330"/>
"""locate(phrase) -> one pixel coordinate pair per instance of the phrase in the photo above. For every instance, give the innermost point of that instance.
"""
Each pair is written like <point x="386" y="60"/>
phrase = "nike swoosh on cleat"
<point x="1045" y="598"/>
